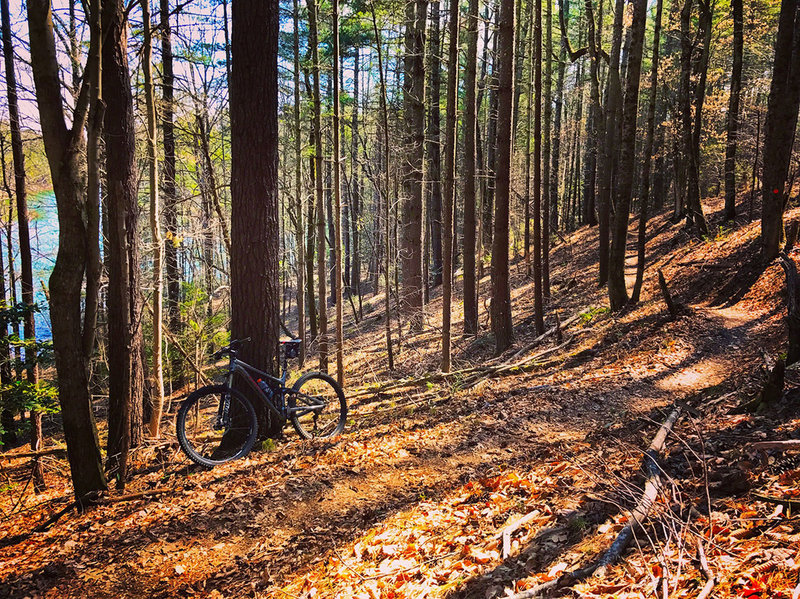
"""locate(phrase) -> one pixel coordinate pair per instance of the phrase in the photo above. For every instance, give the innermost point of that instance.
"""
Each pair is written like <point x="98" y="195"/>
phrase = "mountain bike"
<point x="218" y="423"/>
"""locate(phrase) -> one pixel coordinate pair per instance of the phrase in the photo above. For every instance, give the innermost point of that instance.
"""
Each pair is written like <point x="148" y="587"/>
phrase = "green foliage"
<point x="592" y="313"/>
<point x="19" y="395"/>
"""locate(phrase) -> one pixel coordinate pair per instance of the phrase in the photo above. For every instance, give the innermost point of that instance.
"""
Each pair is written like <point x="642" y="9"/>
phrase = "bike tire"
<point x="319" y="386"/>
<point x="241" y="431"/>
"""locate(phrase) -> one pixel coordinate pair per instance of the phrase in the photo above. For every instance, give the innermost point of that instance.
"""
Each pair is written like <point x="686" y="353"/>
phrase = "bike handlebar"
<point x="230" y="348"/>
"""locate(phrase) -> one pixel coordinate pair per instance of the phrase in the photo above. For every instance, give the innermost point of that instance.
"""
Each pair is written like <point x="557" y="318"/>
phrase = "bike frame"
<point x="278" y="385"/>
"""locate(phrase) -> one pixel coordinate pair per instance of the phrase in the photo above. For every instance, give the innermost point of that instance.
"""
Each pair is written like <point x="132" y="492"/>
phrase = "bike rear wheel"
<point x="216" y="424"/>
<point x="317" y="407"/>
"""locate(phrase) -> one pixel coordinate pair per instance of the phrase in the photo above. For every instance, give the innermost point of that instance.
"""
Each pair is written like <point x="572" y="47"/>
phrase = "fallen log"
<point x="638" y="515"/>
<point x="34" y="454"/>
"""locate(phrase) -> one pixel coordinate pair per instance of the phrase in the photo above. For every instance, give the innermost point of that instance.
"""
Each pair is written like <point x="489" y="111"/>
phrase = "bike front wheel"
<point x="216" y="424"/>
<point x="317" y="407"/>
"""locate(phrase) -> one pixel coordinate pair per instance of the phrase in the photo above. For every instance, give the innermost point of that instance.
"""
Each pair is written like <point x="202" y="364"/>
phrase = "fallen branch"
<point x="710" y="580"/>
<point x="44" y="526"/>
<point x="638" y="515"/>
<point x="673" y="308"/>
<point x="511" y="528"/>
<point x="790" y="503"/>
<point x="131" y="496"/>
<point x="781" y="445"/>
<point x="34" y="454"/>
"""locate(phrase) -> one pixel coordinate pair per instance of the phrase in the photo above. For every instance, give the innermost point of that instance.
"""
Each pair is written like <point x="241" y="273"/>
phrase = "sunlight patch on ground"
<point x="702" y="374"/>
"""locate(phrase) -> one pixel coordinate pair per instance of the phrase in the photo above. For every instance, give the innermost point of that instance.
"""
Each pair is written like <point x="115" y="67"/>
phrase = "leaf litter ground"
<point x="414" y="499"/>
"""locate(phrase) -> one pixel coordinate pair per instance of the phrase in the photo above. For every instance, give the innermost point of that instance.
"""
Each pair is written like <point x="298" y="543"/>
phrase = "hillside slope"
<point x="413" y="500"/>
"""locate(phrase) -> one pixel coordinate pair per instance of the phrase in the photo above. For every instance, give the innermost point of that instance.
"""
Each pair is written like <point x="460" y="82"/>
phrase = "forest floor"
<point x="413" y="500"/>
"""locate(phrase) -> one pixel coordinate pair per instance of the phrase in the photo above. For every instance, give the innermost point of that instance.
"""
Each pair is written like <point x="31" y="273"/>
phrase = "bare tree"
<point x="64" y="148"/>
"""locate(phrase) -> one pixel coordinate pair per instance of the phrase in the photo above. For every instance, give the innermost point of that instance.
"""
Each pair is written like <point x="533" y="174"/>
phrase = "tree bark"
<point x="647" y="158"/>
<point x="617" y="289"/>
<point x="733" y="111"/>
<point x="414" y="114"/>
<point x="613" y="96"/>
<point x="155" y="225"/>
<point x="779" y="127"/>
<point x="501" y="291"/>
<point x="547" y="98"/>
<point x="434" y="174"/>
<point x="337" y="201"/>
<point x="300" y="252"/>
<point x="255" y="290"/>
<point x="385" y="122"/>
<point x="470" y="173"/>
<point x="126" y="383"/>
<point x="171" y="239"/>
<point x="449" y="181"/>
<point x="322" y="314"/>
<point x="559" y="104"/>
<point x="538" y="303"/>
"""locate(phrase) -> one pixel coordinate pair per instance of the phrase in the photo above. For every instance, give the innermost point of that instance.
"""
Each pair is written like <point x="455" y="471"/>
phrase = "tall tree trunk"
<point x="126" y="383"/>
<point x="337" y="201"/>
<point x="617" y="290"/>
<point x="613" y="96"/>
<point x="779" y="127"/>
<point x="501" y="291"/>
<point x="173" y="277"/>
<point x="526" y="235"/>
<point x="491" y="140"/>
<point x="694" y="211"/>
<point x="538" y="304"/>
<point x="590" y="160"/>
<point x="300" y="251"/>
<point x="385" y="122"/>
<point x="647" y="157"/>
<point x="63" y="148"/>
<point x="559" y="104"/>
<point x="733" y="111"/>
<point x="414" y="113"/>
<point x="470" y="174"/>
<point x="355" y="199"/>
<point x="255" y="289"/>
<point x="322" y="315"/>
<point x="547" y="98"/>
<point x="434" y="174"/>
<point x="18" y="155"/>
<point x="449" y="180"/>
<point x="155" y="225"/>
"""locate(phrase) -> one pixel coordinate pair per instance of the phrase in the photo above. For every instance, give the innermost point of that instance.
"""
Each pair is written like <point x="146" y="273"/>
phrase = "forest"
<point x="521" y="274"/>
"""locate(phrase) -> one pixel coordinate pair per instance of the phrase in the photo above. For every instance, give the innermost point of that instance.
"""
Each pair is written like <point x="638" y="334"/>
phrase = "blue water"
<point x="43" y="226"/>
